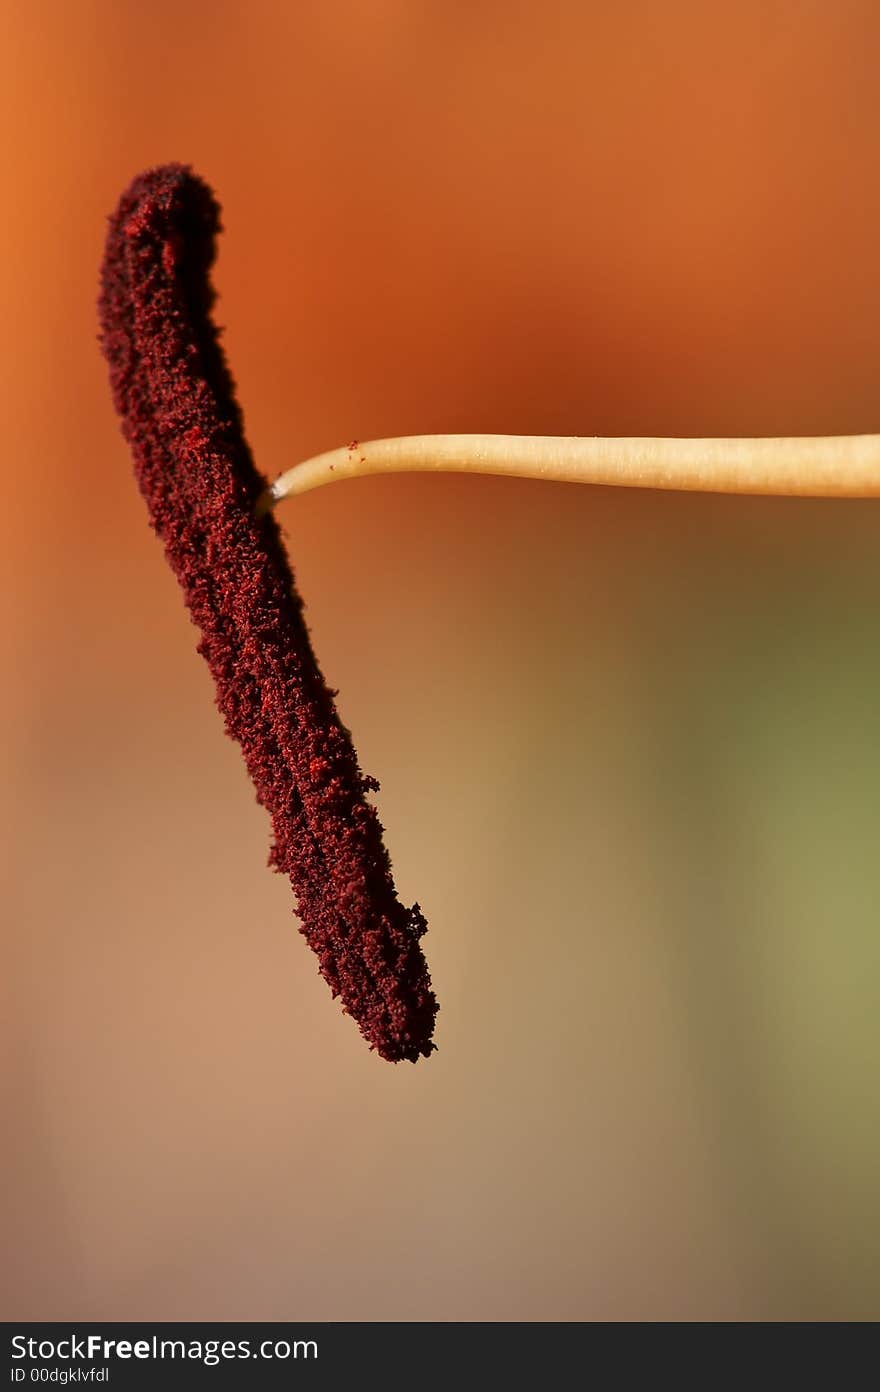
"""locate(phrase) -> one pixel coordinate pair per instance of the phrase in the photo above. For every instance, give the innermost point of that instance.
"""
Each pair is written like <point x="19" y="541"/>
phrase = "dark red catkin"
<point x="175" y="395"/>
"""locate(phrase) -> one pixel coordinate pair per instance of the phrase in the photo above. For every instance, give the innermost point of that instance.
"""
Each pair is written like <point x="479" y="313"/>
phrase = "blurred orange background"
<point x="629" y="743"/>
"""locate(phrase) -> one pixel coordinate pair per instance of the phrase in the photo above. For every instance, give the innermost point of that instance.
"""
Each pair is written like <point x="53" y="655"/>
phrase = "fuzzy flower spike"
<point x="175" y="395"/>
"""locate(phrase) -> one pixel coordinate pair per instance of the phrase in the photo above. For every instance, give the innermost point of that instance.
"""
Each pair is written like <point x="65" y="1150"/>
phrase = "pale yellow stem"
<point x="842" y="466"/>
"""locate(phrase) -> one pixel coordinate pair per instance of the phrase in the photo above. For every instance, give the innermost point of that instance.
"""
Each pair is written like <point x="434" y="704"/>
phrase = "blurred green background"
<point x="628" y="742"/>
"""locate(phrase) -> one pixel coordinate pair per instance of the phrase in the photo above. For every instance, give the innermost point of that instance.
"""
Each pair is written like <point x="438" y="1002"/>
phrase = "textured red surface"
<point x="176" y="398"/>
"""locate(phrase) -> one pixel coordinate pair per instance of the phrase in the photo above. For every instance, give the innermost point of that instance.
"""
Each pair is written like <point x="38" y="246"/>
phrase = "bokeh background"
<point x="629" y="742"/>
